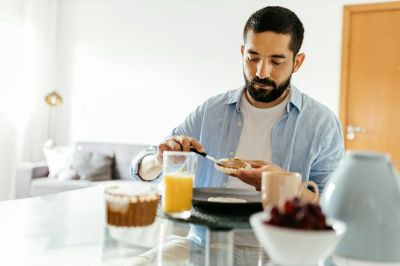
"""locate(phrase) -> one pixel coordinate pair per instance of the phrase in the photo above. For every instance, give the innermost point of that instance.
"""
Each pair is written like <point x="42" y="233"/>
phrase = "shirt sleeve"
<point x="136" y="163"/>
<point x="331" y="152"/>
<point x="191" y="127"/>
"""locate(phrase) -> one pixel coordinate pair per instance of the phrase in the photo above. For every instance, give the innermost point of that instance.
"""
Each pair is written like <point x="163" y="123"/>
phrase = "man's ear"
<point x="298" y="61"/>
<point x="242" y="49"/>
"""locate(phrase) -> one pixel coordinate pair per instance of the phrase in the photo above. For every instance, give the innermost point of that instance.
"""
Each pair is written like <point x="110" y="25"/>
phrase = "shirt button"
<point x="239" y="124"/>
<point x="231" y="154"/>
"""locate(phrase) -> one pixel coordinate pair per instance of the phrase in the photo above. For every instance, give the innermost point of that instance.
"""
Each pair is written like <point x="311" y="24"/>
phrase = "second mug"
<point x="277" y="187"/>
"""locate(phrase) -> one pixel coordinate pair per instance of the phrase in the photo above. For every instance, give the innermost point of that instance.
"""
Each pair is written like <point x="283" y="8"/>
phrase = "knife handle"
<point x="193" y="149"/>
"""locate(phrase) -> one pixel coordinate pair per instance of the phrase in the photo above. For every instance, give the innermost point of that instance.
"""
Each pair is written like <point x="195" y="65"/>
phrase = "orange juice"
<point x="178" y="190"/>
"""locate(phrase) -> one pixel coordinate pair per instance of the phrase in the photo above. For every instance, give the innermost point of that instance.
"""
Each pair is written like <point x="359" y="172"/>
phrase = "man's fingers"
<point x="272" y="168"/>
<point x="174" y="144"/>
<point x="248" y="174"/>
<point x="160" y="149"/>
<point x="185" y="144"/>
<point x="234" y="174"/>
<point x="251" y="177"/>
<point x="257" y="163"/>
<point x="163" y="147"/>
<point x="196" y="145"/>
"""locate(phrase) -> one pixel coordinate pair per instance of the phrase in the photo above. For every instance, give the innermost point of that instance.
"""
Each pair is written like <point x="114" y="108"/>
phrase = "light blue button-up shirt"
<point x="307" y="139"/>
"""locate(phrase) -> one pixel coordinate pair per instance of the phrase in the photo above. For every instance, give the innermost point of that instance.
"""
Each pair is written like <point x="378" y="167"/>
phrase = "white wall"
<point x="8" y="143"/>
<point x="10" y="10"/>
<point x="20" y="117"/>
<point x="130" y="71"/>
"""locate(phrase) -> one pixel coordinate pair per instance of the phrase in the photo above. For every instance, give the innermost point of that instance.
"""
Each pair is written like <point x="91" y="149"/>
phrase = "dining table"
<point x="70" y="228"/>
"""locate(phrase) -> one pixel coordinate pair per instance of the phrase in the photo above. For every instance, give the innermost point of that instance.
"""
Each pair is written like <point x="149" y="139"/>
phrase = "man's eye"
<point x="253" y="59"/>
<point x="276" y="62"/>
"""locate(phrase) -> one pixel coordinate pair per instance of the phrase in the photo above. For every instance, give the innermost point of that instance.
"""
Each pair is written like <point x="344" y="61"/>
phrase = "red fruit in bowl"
<point x="296" y="214"/>
<point x="289" y="207"/>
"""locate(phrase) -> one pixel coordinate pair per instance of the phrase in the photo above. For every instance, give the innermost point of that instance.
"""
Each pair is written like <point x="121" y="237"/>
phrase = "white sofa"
<point x="32" y="178"/>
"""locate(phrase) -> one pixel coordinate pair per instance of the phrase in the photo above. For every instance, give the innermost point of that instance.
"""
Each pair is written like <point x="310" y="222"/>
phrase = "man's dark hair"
<point x="279" y="20"/>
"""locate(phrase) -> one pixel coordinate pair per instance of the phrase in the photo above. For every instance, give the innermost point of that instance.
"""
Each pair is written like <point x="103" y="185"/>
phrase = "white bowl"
<point x="289" y="246"/>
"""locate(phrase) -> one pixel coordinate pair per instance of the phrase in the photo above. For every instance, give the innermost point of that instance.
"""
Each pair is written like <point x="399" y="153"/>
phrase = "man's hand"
<point x="176" y="143"/>
<point x="253" y="176"/>
<point x="151" y="165"/>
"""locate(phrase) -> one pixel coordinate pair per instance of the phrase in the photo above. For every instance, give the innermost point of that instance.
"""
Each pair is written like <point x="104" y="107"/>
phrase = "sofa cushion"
<point x="123" y="155"/>
<point x="58" y="159"/>
<point x="92" y="165"/>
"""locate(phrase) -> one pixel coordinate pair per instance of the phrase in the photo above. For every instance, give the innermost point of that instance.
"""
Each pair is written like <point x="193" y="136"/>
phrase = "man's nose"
<point x="264" y="69"/>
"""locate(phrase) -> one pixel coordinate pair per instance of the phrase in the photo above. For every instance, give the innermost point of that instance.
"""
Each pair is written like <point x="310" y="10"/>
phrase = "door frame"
<point x="348" y="11"/>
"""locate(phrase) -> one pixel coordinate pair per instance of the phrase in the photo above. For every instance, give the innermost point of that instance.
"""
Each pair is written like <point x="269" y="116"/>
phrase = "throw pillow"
<point x="67" y="173"/>
<point x="58" y="159"/>
<point x="92" y="166"/>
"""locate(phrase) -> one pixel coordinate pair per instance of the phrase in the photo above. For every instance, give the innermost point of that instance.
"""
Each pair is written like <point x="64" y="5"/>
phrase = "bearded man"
<point x="268" y="121"/>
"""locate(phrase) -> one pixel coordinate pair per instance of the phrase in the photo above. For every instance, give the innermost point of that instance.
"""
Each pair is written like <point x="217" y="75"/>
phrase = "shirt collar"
<point x="295" y="98"/>
<point x="235" y="96"/>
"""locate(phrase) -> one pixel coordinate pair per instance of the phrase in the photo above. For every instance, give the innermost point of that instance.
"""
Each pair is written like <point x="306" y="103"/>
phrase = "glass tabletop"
<point x="227" y="240"/>
<point x="70" y="228"/>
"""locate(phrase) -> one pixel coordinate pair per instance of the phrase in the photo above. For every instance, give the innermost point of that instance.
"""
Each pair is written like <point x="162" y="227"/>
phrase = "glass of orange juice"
<point x="179" y="170"/>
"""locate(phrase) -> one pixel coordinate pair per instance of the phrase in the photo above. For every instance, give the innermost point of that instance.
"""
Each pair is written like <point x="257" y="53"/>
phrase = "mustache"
<point x="265" y="82"/>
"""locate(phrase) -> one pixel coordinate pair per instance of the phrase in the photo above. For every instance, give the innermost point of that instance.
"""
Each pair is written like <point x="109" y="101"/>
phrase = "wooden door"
<point x="370" y="81"/>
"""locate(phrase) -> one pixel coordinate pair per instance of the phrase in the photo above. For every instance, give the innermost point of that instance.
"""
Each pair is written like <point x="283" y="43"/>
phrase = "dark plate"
<point x="252" y="204"/>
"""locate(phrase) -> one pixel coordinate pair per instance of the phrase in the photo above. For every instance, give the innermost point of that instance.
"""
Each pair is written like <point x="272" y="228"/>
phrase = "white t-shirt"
<point x="255" y="144"/>
<point x="256" y="138"/>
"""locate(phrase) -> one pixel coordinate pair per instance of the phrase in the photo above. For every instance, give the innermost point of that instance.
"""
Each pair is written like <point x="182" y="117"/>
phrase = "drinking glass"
<point x="179" y="170"/>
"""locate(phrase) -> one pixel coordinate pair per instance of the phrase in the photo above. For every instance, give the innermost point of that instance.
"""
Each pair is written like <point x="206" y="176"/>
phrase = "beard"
<point x="263" y="95"/>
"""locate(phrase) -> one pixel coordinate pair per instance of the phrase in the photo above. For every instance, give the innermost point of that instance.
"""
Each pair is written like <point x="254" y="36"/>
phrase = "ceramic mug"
<point x="277" y="187"/>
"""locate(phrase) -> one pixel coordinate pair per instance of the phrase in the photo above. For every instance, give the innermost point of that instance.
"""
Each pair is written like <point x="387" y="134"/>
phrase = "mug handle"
<point x="305" y="184"/>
